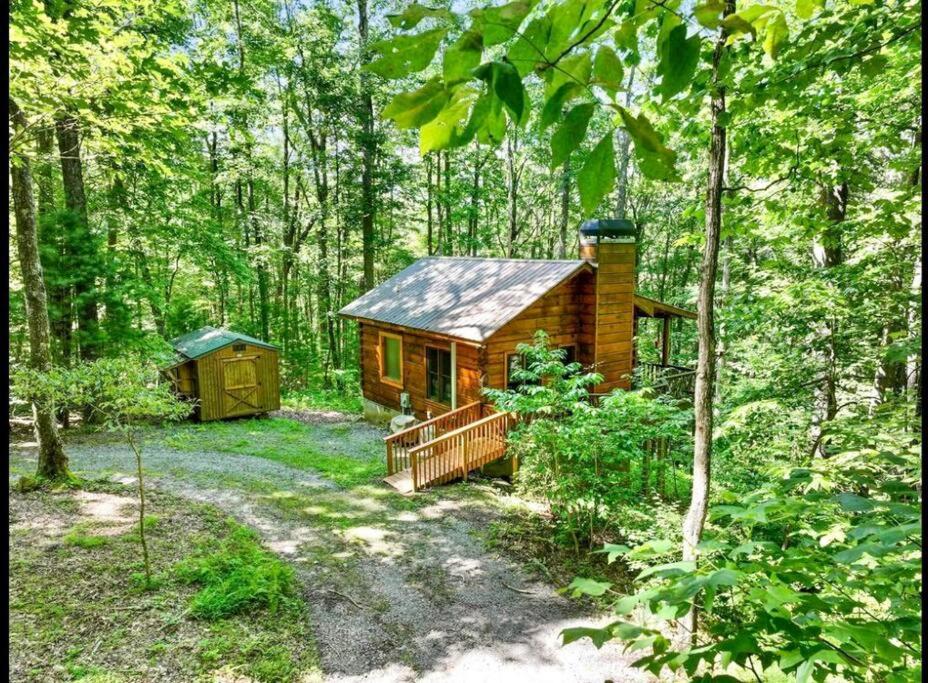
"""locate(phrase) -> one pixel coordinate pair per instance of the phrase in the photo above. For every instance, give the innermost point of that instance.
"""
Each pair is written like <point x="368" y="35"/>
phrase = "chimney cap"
<point x="608" y="228"/>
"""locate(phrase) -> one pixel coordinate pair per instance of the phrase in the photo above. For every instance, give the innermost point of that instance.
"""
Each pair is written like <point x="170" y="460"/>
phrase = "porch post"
<point x="454" y="375"/>
<point x="665" y="342"/>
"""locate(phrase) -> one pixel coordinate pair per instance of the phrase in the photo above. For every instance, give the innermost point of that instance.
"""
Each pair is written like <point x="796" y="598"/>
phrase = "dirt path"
<point x="400" y="589"/>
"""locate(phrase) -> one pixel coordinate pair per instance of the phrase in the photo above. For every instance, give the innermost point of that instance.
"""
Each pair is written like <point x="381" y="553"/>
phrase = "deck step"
<point x="447" y="465"/>
<point x="401" y="481"/>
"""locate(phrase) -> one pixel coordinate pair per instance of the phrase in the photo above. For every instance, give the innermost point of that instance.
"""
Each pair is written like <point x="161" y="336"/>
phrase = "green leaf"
<point x="404" y="55"/>
<point x="552" y="109"/>
<point x="529" y="51"/>
<point x="613" y="551"/>
<point x="597" y="176"/>
<point x="413" y="109"/>
<point x="499" y="24"/>
<point x="504" y="80"/>
<point x="570" y="133"/>
<point x="414" y="13"/>
<point x="669" y="569"/>
<point x="658" y="160"/>
<point x="459" y="60"/>
<point x="679" y="57"/>
<point x="777" y="32"/>
<point x="580" y="586"/>
<point x="806" y="8"/>
<point x="599" y="636"/>
<point x="607" y="69"/>
<point x="444" y="130"/>
<point x="709" y="14"/>
<point x="736" y="26"/>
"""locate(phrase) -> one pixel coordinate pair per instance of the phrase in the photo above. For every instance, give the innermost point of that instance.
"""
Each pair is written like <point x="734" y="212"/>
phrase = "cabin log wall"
<point x="373" y="389"/>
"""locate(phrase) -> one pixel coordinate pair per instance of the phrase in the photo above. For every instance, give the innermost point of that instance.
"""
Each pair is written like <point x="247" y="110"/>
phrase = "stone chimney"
<point x="610" y="246"/>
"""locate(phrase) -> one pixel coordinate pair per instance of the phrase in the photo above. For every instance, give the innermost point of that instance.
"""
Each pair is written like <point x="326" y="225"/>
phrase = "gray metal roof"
<point x="208" y="339"/>
<point x="467" y="298"/>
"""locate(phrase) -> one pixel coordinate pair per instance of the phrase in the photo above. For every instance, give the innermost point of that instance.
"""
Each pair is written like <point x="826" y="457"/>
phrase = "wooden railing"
<point x="458" y="452"/>
<point x="399" y="444"/>
<point x="674" y="380"/>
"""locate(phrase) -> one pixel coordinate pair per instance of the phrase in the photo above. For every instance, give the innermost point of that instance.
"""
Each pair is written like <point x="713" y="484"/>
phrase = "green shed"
<point x="228" y="373"/>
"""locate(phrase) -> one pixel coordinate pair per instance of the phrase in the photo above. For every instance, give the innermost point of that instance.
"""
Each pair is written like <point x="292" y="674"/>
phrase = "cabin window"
<point x="438" y="375"/>
<point x="238" y="347"/>
<point x="570" y="355"/>
<point x="391" y="359"/>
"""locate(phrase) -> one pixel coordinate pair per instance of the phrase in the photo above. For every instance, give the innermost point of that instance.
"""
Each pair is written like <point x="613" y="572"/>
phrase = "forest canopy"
<point x="260" y="164"/>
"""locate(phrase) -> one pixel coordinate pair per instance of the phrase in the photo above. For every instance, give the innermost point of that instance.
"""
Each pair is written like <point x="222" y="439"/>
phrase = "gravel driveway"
<point x="400" y="588"/>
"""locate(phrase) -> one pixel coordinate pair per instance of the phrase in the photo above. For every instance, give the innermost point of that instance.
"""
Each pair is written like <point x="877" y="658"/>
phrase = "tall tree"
<point x="53" y="463"/>
<point x="703" y="398"/>
<point x="368" y="152"/>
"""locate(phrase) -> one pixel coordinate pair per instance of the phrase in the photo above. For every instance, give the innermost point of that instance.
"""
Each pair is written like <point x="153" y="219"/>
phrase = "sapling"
<point x="123" y="394"/>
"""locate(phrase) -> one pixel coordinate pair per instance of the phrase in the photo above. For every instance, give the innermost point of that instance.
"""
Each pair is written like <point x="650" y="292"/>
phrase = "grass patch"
<point x="236" y="573"/>
<point x="324" y="399"/>
<point x="79" y="537"/>
<point x="290" y="443"/>
<point x="77" y="614"/>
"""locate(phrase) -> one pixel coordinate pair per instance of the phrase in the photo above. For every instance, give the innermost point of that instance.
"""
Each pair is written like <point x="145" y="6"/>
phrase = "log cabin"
<point x="437" y="333"/>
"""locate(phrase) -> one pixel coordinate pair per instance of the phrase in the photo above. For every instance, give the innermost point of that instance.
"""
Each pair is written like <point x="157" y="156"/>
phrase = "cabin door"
<point x="240" y="390"/>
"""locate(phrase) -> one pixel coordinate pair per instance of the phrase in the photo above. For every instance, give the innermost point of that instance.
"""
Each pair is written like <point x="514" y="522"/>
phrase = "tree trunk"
<point x="368" y="151"/>
<point x="85" y="257"/>
<point x="705" y="367"/>
<point x="53" y="463"/>
<point x="621" y="195"/>
<point x="827" y="253"/>
<point x="54" y="253"/>
<point x="565" y="210"/>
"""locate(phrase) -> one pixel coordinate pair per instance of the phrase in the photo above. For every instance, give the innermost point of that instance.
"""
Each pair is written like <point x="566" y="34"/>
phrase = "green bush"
<point x="235" y="574"/>
<point x="589" y="462"/>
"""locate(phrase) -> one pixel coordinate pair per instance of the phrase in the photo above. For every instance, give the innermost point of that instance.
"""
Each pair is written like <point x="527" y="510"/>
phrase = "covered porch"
<point x="670" y="377"/>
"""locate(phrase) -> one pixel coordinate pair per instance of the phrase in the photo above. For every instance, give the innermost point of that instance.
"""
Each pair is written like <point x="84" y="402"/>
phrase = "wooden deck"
<point x="448" y="456"/>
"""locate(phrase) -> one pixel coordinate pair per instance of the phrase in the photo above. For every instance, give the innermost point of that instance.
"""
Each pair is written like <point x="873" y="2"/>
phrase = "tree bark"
<point x="85" y="257"/>
<point x="827" y="252"/>
<point x="368" y="151"/>
<point x="705" y="367"/>
<point x="53" y="463"/>
<point x="621" y="195"/>
<point x="565" y="210"/>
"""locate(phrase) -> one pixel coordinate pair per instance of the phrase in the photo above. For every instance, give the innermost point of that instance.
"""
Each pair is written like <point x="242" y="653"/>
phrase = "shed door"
<point x="240" y="390"/>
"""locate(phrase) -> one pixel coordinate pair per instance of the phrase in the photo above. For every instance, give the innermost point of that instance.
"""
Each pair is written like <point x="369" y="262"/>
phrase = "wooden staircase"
<point x="447" y="447"/>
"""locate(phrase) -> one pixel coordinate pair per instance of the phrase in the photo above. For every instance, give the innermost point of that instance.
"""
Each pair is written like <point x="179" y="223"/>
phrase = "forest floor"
<point x="399" y="588"/>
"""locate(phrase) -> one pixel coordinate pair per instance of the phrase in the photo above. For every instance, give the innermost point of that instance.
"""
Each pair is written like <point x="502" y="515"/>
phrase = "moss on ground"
<point x="77" y="611"/>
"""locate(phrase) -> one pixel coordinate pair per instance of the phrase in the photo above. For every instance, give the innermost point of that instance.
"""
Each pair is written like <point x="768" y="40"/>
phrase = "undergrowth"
<point x="235" y="573"/>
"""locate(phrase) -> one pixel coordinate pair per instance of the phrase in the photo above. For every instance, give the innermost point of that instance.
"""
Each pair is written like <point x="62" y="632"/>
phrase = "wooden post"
<point x="389" y="458"/>
<point x="665" y="343"/>
<point x="454" y="375"/>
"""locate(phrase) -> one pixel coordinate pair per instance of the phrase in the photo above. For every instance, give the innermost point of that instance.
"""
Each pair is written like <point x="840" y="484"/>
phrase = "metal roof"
<point x="463" y="297"/>
<point x="208" y="339"/>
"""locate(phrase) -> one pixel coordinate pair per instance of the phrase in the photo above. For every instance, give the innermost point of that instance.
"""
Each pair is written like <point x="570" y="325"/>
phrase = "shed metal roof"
<point x="208" y="339"/>
<point x="463" y="297"/>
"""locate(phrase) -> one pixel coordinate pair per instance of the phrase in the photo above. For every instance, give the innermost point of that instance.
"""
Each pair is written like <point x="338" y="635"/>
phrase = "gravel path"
<point x="400" y="589"/>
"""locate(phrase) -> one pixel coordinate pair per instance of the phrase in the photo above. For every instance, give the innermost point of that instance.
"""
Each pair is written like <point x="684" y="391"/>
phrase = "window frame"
<point x="450" y="375"/>
<point x="381" y="354"/>
<point x="506" y="361"/>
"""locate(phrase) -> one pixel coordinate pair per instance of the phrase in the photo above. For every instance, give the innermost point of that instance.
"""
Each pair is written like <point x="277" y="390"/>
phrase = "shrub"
<point x="235" y="574"/>
<point x="587" y="461"/>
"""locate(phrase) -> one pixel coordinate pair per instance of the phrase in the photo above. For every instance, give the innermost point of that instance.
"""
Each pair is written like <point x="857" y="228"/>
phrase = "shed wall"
<point x="216" y="402"/>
